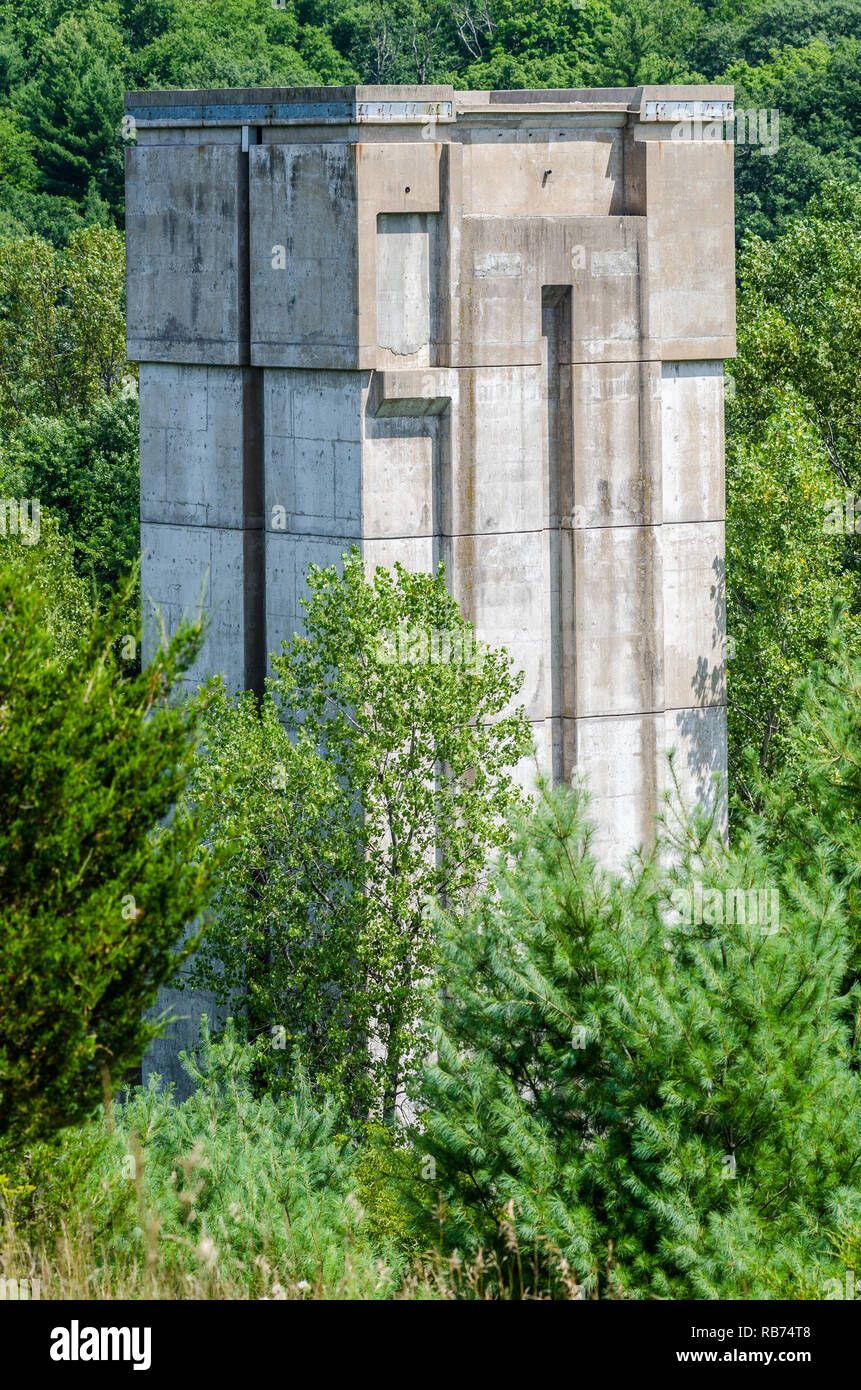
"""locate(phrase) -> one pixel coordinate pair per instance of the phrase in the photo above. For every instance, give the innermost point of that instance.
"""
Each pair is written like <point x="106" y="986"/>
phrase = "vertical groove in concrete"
<point x="253" y="492"/>
<point x="441" y="495"/>
<point x="556" y="330"/>
<point x="250" y="136"/>
<point x="253" y="538"/>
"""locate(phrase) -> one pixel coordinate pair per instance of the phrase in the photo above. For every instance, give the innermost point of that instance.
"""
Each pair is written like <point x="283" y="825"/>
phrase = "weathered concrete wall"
<point x="483" y="327"/>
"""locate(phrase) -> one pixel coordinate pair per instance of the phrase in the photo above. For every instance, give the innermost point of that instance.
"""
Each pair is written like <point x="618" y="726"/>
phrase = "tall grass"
<point x="227" y="1195"/>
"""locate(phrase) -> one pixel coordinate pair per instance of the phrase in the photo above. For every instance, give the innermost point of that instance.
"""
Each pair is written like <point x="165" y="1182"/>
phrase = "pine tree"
<point x="814" y="813"/>
<point x="96" y="865"/>
<point x="657" y="1098"/>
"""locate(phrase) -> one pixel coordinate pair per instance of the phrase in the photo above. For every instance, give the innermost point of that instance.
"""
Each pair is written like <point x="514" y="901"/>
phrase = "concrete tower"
<point x="486" y="327"/>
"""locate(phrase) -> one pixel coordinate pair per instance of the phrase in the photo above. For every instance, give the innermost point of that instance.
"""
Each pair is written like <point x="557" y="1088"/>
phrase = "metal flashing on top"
<point x="292" y="113"/>
<point x="687" y="111"/>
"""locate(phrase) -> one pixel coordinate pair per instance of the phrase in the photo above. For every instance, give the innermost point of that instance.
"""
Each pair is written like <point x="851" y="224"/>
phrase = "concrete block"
<point x="500" y="582"/>
<point x="192" y="445"/>
<point x="622" y="758"/>
<point x="402" y="178"/>
<point x="618" y="638"/>
<point x="505" y="263"/>
<point x="417" y="554"/>
<point x="697" y="737"/>
<point x="303" y="256"/>
<point x="184" y="1009"/>
<point x="484" y="327"/>
<point x="549" y="171"/>
<point x="616" y="410"/>
<point x="286" y="575"/>
<point x="691" y="246"/>
<point x="499" y="481"/>
<point x="186" y="570"/>
<point x="313" y="452"/>
<point x="694" y="594"/>
<point x="185" y="229"/>
<point x="692" y="441"/>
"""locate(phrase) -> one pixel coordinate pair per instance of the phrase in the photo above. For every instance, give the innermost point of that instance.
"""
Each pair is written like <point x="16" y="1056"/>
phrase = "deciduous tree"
<point x="377" y="775"/>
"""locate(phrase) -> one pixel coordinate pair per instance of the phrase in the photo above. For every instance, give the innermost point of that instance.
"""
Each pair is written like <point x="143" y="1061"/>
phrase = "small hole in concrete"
<point x="407" y="189"/>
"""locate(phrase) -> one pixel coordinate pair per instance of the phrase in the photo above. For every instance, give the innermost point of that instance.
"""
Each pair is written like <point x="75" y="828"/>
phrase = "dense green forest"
<point x="64" y="65"/>
<point x="596" y="1069"/>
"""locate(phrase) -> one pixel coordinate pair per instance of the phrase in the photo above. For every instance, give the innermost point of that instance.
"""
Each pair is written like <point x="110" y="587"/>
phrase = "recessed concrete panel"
<point x="549" y="172"/>
<point x="617" y="444"/>
<point x="313" y="452"/>
<point x="403" y="287"/>
<point x="398" y="485"/>
<point x="618" y="647"/>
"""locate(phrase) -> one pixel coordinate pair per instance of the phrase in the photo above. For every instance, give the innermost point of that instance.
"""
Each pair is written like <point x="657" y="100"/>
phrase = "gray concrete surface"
<point x="487" y="327"/>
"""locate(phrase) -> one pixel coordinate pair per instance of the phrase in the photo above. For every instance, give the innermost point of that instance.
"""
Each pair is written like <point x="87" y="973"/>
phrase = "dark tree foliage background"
<point x="64" y="65"/>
